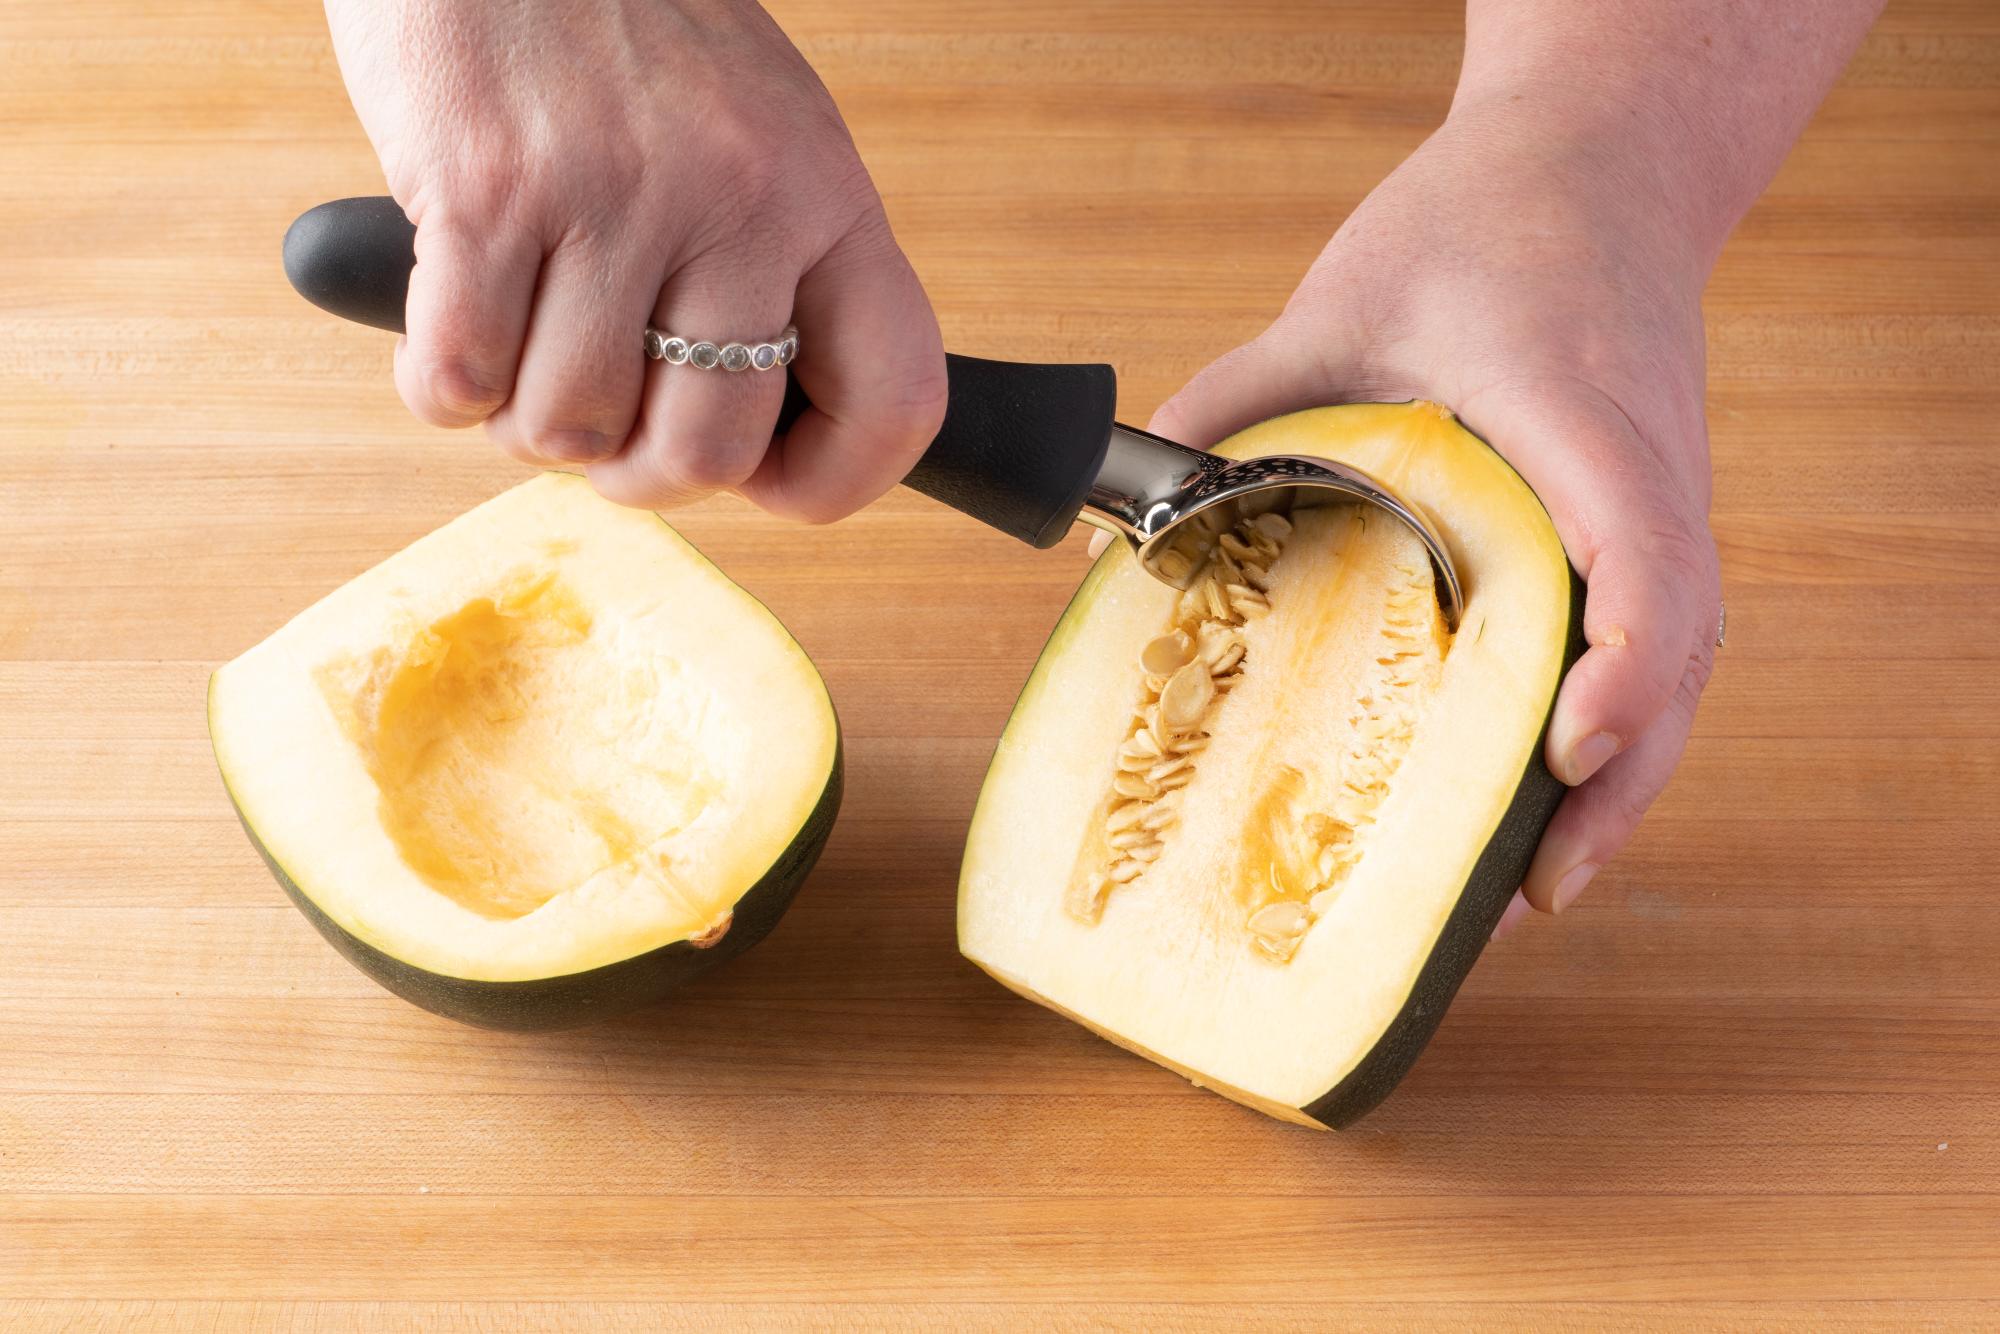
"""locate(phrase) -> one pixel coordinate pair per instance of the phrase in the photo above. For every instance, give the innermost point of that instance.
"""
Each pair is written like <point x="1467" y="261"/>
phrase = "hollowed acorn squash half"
<point x="539" y="768"/>
<point x="1259" y="831"/>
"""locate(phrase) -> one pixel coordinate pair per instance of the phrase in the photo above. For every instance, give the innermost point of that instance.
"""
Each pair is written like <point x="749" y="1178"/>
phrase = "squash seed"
<point x="1279" y="950"/>
<point x="1211" y="592"/>
<point x="1132" y="785"/>
<point x="1273" y="525"/>
<point x="1168" y="653"/>
<point x="1323" y="828"/>
<point x="1184" y="672"/>
<point x="1186" y="697"/>
<point x="1126" y="815"/>
<point x="1140" y="746"/>
<point x="1274" y="921"/>
<point x="1216" y="638"/>
<point x="1251" y="605"/>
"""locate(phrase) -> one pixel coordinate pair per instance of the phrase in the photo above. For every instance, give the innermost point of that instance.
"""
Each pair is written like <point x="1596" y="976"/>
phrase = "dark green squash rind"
<point x="1495" y="876"/>
<point x="601" y="993"/>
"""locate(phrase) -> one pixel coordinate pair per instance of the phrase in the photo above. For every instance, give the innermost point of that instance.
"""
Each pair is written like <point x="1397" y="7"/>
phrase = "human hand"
<point x="1515" y="279"/>
<point x="576" y="173"/>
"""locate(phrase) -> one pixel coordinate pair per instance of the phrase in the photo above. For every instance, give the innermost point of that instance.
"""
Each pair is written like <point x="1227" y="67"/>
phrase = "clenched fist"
<point x="578" y="171"/>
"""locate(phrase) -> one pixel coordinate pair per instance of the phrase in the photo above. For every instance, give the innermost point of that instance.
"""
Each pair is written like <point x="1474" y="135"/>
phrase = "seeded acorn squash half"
<point x="541" y="767"/>
<point x="1259" y="831"/>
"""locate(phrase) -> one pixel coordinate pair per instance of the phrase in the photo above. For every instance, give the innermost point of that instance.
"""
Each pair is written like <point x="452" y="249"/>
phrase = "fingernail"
<point x="576" y="446"/>
<point x="1587" y="756"/>
<point x="1511" y="918"/>
<point x="1572" y="885"/>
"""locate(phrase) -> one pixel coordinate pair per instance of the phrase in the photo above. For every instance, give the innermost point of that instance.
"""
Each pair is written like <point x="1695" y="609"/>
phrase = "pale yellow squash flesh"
<point x="1359" y="736"/>
<point x="547" y="737"/>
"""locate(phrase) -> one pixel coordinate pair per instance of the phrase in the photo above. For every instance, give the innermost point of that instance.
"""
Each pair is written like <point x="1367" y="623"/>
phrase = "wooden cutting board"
<point x="1754" y="1076"/>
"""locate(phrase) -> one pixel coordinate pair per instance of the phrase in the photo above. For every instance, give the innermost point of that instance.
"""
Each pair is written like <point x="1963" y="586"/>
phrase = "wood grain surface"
<point x="1753" y="1079"/>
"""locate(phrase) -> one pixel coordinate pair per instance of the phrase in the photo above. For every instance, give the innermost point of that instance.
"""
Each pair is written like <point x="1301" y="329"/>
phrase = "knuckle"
<point x="577" y="446"/>
<point x="470" y="216"/>
<point x="619" y="176"/>
<point x="569" y="407"/>
<point x="1681" y="548"/>
<point x="1694" y="680"/>
<point x="514" y="447"/>
<point x="622" y="486"/>
<point x="1628" y="805"/>
<point x="453" y="387"/>
<point x="481" y="191"/>
<point x="567" y="434"/>
<point x="702" y="465"/>
<point x="736" y="169"/>
<point x="1618" y="801"/>
<point x="569" y="444"/>
<point x="912" y="415"/>
<point x="745" y="154"/>
<point x="676" y="468"/>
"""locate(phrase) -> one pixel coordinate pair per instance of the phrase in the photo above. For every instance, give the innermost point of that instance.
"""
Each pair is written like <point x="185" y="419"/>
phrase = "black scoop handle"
<point x="1019" y="448"/>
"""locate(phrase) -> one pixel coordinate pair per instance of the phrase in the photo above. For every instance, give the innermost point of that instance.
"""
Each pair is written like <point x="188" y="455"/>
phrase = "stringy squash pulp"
<point x="1258" y="831"/>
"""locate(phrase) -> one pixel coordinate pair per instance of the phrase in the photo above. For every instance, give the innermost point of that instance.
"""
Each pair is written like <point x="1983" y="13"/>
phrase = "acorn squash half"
<point x="536" y="769"/>
<point x="1259" y="831"/>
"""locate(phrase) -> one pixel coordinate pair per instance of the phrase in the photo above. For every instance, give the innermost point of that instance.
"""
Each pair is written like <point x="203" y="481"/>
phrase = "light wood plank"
<point x="1436" y="1144"/>
<point x="726" y="1037"/>
<point x="1140" y="1317"/>
<point x="1235" y="1249"/>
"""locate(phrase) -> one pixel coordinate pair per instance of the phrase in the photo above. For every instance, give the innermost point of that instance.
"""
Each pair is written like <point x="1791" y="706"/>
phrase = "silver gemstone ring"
<point x="706" y="356"/>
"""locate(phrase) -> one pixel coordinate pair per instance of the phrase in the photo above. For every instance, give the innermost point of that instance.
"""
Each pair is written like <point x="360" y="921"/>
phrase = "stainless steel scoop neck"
<point x="1150" y="487"/>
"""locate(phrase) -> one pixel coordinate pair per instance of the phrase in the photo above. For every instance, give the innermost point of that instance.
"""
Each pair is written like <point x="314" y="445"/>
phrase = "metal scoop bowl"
<point x="1170" y="502"/>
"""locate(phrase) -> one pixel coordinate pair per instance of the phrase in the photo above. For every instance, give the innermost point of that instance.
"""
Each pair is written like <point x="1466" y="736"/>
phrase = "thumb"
<point x="1283" y="369"/>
